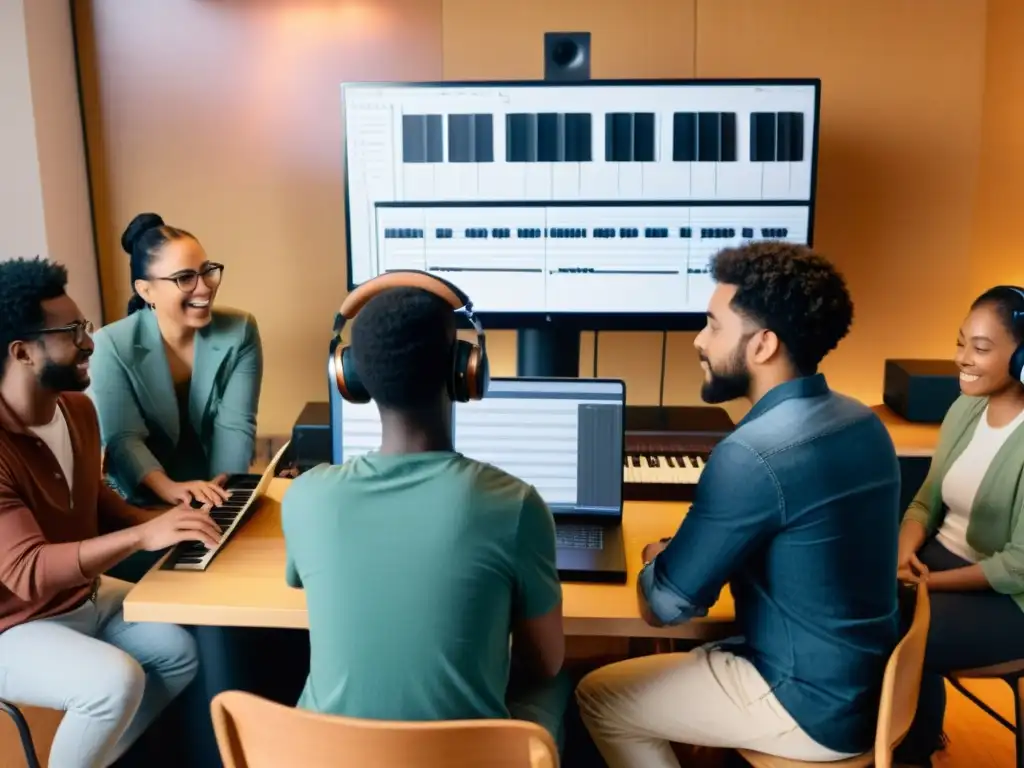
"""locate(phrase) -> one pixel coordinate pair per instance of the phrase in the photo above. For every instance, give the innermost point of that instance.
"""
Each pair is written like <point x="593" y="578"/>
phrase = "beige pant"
<point x="708" y="698"/>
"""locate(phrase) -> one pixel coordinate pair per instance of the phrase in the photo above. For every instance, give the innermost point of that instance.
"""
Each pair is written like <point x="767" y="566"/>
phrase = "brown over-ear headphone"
<point x="470" y="372"/>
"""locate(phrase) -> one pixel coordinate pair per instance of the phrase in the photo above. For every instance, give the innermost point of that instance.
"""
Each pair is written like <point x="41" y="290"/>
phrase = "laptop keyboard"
<point x="579" y="537"/>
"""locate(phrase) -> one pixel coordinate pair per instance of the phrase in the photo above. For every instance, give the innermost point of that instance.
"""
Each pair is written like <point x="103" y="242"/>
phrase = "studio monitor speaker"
<point x="566" y="56"/>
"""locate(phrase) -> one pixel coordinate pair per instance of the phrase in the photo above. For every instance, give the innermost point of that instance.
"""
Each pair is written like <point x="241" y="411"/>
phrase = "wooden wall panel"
<point x="225" y="118"/>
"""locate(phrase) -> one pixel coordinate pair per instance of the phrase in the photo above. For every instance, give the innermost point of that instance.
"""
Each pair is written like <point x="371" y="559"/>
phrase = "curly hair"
<point x="793" y="292"/>
<point x="402" y="344"/>
<point x="24" y="285"/>
<point x="1008" y="303"/>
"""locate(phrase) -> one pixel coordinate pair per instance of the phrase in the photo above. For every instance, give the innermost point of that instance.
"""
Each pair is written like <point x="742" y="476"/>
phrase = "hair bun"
<point x="137" y="228"/>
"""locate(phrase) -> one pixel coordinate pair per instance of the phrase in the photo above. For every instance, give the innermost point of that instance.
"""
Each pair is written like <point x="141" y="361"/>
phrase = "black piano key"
<point x="684" y="137"/>
<point x="414" y="139"/>
<point x="483" y="138"/>
<point x="578" y="138"/>
<point x="618" y="139"/>
<point x="643" y="137"/>
<point x="435" y="133"/>
<point x="727" y="137"/>
<point x="460" y="139"/>
<point x="521" y="138"/>
<point x="790" y="139"/>
<point x="762" y="137"/>
<point x="707" y="137"/>
<point x="549" y="138"/>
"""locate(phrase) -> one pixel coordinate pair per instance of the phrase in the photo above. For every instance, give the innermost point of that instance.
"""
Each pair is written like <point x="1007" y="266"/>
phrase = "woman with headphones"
<point x="964" y="532"/>
<point x="176" y="383"/>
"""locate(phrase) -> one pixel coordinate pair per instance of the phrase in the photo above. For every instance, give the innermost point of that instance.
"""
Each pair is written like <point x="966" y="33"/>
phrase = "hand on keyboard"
<point x="202" y="491"/>
<point x="177" y="525"/>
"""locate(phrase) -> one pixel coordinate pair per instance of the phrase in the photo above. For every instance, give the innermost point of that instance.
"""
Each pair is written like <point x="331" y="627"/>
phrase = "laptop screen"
<point x="563" y="436"/>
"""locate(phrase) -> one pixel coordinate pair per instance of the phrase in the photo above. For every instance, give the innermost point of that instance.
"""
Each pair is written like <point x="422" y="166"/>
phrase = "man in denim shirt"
<point x="798" y="511"/>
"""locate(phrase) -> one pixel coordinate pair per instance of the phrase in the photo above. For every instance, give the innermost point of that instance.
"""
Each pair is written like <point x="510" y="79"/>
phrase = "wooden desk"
<point x="245" y="587"/>
<point x="911" y="440"/>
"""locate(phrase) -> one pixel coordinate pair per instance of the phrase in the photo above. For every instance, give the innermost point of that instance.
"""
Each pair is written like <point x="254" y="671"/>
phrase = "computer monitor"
<point x="594" y="205"/>
<point x="563" y="436"/>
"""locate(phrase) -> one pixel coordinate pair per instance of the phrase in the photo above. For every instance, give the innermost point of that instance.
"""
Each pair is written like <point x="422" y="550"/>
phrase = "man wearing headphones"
<point x="417" y="562"/>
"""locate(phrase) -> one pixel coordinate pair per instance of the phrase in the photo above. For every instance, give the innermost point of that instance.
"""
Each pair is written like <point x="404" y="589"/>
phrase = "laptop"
<point x="563" y="436"/>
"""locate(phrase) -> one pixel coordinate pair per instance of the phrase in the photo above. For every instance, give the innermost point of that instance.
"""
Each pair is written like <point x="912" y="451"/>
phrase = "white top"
<point x="961" y="483"/>
<point x="58" y="440"/>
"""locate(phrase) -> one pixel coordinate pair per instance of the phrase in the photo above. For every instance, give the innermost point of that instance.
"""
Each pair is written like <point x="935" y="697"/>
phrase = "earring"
<point x="151" y="305"/>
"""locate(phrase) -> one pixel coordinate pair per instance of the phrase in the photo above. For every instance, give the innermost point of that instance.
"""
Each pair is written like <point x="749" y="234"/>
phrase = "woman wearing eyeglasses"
<point x="176" y="383"/>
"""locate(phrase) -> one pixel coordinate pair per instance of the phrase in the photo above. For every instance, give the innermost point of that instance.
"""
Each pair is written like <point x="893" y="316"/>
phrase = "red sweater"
<point x="42" y="523"/>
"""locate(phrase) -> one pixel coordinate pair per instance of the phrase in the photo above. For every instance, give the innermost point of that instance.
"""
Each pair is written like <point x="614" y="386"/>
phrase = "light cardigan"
<point x="996" y="526"/>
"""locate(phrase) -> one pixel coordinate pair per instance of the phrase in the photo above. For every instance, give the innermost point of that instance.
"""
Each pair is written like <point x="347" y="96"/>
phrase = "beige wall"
<point x="44" y="195"/>
<point x="239" y="140"/>
<point x="997" y="254"/>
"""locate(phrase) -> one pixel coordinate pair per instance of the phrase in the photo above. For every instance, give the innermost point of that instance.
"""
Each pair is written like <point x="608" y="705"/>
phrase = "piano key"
<point x="618" y="146"/>
<point x="435" y="132"/>
<point x="483" y="136"/>
<point x="414" y="139"/>
<point x="707" y="137"/>
<point x="790" y="140"/>
<point x="684" y="137"/>
<point x="578" y="139"/>
<point x="643" y="137"/>
<point x="521" y="138"/>
<point x="762" y="137"/>
<point x="460" y="139"/>
<point x="727" y="137"/>
<point x="549" y="144"/>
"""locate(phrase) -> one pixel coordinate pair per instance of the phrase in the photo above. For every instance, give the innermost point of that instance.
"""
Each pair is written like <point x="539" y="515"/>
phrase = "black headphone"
<point x="1017" y="317"/>
<point x="470" y="371"/>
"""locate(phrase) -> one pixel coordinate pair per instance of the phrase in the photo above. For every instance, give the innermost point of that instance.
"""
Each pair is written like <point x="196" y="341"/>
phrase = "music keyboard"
<point x="667" y="448"/>
<point x="246" y="491"/>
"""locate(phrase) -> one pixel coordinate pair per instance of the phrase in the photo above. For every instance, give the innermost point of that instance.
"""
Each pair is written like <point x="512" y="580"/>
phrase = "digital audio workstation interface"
<point x="575" y="198"/>
<point x="563" y="437"/>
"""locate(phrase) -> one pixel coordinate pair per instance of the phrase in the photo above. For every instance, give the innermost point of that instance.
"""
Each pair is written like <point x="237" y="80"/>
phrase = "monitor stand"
<point x="548" y="352"/>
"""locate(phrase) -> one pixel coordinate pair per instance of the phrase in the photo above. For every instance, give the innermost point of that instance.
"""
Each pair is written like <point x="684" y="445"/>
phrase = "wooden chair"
<point x="900" y="688"/>
<point x="1013" y="673"/>
<point x="253" y="732"/>
<point x="31" y="760"/>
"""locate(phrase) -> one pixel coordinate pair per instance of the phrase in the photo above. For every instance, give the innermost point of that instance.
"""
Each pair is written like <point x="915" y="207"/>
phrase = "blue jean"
<point x="110" y="677"/>
<point x="968" y="630"/>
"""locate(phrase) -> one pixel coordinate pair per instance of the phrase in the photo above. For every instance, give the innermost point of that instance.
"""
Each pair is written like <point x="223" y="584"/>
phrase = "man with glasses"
<point x="64" y="643"/>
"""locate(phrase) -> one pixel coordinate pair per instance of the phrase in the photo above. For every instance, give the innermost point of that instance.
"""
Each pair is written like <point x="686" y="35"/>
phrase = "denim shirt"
<point x="798" y="509"/>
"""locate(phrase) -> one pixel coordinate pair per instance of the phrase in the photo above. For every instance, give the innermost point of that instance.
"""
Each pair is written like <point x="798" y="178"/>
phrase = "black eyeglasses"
<point x="80" y="331"/>
<point x="189" y="279"/>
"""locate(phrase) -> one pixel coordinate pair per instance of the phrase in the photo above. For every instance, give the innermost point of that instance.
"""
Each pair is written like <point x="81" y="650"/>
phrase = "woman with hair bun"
<point x="176" y="383"/>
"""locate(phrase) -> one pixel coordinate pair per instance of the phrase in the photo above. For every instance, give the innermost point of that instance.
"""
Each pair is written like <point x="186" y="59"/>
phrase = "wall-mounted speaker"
<point x="566" y="56"/>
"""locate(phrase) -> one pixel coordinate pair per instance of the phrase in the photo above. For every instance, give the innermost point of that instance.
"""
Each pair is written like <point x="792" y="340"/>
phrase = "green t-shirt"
<point x="414" y="568"/>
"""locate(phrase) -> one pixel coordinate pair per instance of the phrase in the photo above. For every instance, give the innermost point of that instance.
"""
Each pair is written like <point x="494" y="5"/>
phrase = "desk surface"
<point x="912" y="440"/>
<point x="244" y="586"/>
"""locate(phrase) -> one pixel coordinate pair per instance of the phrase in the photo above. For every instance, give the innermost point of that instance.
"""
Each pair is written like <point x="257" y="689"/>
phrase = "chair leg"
<point x="23" y="733"/>
<point x="1016" y="683"/>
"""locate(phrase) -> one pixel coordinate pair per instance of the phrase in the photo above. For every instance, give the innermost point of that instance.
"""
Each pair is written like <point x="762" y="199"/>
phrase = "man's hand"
<point x="911" y="570"/>
<point x="179" y="524"/>
<point x="653" y="549"/>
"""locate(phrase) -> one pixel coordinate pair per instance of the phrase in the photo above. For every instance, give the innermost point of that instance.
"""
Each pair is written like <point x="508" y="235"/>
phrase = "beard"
<point x="65" y="377"/>
<point x="729" y="382"/>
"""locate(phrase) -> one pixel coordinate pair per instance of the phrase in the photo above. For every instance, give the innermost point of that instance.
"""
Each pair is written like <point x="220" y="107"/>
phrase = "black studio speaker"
<point x="566" y="56"/>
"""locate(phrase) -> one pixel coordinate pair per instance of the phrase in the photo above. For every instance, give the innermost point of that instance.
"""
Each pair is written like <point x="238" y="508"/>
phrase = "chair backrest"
<point x="901" y="684"/>
<point x="253" y="732"/>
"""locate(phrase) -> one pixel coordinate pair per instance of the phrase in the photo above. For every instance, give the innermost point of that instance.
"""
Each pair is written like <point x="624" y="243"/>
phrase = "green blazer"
<point x="138" y="409"/>
<point x="996" y="527"/>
